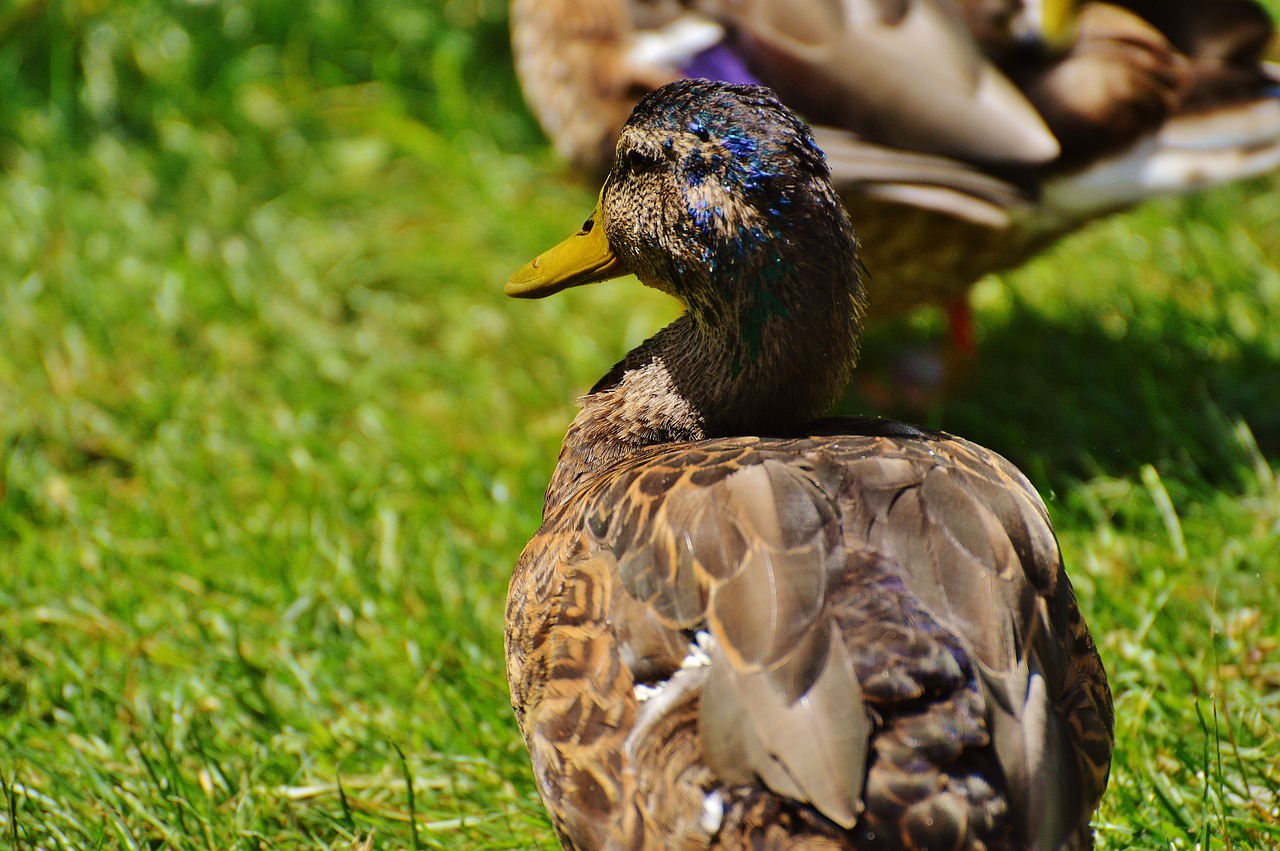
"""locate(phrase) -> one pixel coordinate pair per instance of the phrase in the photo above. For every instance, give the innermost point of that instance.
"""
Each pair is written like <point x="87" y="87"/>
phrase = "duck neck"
<point x="762" y="364"/>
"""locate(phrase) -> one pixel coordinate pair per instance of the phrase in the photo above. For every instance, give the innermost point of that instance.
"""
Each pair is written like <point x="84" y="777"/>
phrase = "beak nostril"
<point x="587" y="226"/>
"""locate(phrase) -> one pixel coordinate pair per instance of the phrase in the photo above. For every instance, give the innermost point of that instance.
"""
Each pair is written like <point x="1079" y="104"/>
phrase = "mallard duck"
<point x="742" y="626"/>
<point x="965" y="135"/>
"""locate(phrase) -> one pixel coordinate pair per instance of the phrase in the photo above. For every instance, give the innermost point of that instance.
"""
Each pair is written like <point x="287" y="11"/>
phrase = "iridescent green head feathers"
<point x="717" y="193"/>
<point x="719" y="196"/>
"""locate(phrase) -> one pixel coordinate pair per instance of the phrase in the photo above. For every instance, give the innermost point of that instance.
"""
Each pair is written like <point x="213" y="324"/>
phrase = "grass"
<point x="271" y="438"/>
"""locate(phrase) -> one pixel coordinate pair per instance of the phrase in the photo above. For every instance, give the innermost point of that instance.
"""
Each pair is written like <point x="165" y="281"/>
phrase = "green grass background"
<point x="271" y="438"/>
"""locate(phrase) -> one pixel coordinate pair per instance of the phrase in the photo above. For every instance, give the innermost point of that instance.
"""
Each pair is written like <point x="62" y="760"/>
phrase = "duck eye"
<point x="638" y="160"/>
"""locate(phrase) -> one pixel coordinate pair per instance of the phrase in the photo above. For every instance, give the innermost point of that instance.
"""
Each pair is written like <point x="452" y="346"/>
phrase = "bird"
<point x="965" y="136"/>
<point x="742" y="623"/>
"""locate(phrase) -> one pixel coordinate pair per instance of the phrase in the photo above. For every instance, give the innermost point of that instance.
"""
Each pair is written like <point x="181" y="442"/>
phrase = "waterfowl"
<point x="965" y="135"/>
<point x="742" y="626"/>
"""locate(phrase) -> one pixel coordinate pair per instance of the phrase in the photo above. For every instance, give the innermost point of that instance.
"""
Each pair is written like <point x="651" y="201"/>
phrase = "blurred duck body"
<point x="965" y="136"/>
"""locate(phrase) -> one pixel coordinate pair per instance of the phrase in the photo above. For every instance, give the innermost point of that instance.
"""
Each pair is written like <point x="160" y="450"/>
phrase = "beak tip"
<point x="584" y="258"/>
<point x="525" y="282"/>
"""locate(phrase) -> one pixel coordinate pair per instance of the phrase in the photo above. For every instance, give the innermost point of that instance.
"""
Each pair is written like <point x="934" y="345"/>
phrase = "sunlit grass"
<point x="271" y="438"/>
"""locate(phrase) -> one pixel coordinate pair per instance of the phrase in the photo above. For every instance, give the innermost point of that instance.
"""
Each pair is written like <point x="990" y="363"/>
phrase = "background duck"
<point x="965" y="136"/>
<point x="741" y="627"/>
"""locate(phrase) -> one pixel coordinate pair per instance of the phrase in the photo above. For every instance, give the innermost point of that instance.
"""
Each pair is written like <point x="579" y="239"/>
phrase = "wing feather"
<point x="889" y="637"/>
<point x="869" y="64"/>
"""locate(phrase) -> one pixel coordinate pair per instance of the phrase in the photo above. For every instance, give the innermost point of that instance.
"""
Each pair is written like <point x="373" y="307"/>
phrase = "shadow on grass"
<point x="1070" y="398"/>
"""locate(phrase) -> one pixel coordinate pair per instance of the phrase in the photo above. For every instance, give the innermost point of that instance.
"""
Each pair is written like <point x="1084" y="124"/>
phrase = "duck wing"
<point x="874" y="627"/>
<point x="971" y="542"/>
<point x="1225" y="42"/>
<point x="929" y="181"/>
<point x="906" y="73"/>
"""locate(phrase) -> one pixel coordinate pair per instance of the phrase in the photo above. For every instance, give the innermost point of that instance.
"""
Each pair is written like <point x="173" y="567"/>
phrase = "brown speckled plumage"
<point x="917" y="571"/>
<point x="741" y="627"/>
<point x="963" y="139"/>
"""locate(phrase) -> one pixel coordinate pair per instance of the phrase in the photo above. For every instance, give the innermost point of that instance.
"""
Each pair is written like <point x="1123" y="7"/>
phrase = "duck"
<point x="965" y="136"/>
<point x="742" y="623"/>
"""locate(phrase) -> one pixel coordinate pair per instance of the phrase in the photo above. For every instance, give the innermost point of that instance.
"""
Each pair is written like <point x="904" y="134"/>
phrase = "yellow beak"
<point x="1058" y="22"/>
<point x="583" y="258"/>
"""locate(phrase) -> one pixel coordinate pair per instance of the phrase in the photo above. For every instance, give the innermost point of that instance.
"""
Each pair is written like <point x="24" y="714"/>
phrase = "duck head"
<point x="719" y="196"/>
